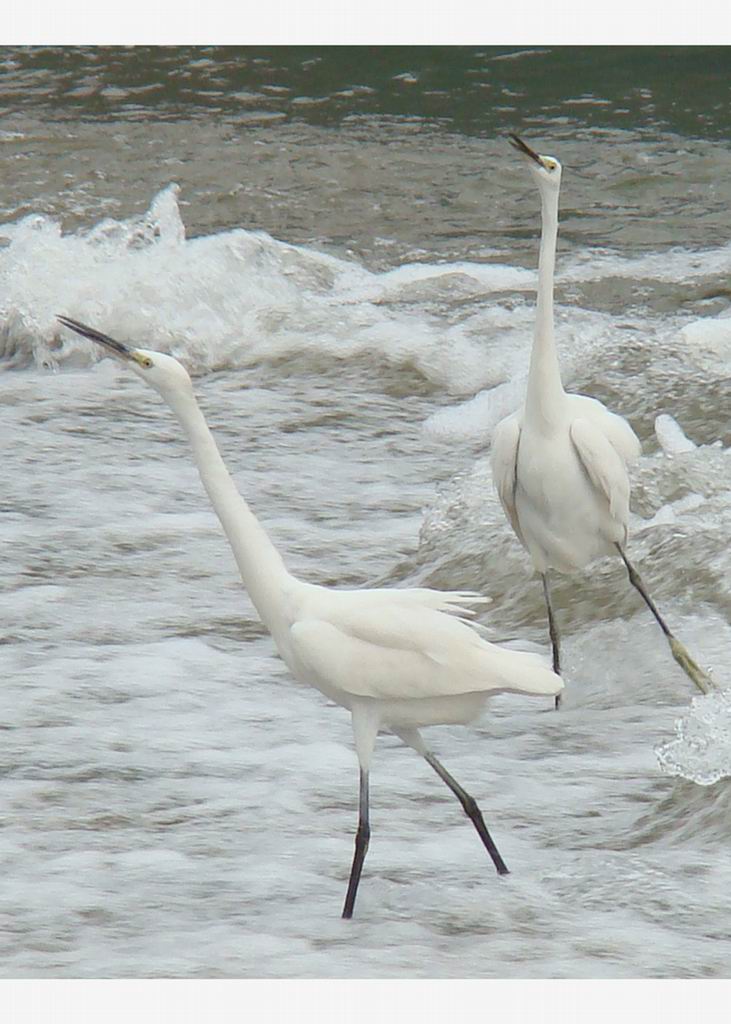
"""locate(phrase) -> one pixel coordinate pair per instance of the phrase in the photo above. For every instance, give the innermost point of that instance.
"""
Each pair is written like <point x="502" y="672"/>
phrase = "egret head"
<point x="162" y="372"/>
<point x="546" y="170"/>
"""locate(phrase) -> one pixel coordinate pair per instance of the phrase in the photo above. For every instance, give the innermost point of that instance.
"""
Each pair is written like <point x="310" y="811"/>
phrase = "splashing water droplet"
<point x="701" y="750"/>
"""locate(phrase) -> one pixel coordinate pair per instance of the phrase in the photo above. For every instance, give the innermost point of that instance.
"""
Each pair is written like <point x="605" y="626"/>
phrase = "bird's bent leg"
<point x="469" y="806"/>
<point x="553" y="633"/>
<point x="694" y="672"/>
<point x="362" y="838"/>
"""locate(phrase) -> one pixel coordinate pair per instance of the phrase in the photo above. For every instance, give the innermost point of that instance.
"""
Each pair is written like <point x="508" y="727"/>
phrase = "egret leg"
<point x="553" y="633"/>
<point x="412" y="738"/>
<point x="362" y="838"/>
<point x="694" y="672"/>
<point x="469" y="806"/>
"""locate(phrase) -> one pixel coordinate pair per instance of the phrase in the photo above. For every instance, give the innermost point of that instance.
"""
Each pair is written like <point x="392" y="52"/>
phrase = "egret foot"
<point x="691" y="668"/>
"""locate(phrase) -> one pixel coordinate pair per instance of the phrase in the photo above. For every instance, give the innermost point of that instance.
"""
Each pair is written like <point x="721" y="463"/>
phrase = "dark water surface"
<point x="472" y="90"/>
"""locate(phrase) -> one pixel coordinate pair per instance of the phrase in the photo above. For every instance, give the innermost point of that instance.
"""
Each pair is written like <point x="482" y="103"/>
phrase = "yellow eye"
<point x="145" y="362"/>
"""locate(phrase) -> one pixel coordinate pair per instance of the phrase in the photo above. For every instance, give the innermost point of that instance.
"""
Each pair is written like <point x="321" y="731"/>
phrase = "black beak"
<point x="518" y="144"/>
<point x="116" y="347"/>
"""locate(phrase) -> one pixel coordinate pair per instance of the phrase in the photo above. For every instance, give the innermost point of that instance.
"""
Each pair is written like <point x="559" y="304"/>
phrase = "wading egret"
<point x="396" y="659"/>
<point x="560" y="463"/>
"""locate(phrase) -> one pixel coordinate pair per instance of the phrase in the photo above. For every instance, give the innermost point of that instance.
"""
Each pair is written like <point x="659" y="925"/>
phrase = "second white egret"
<point x="560" y="463"/>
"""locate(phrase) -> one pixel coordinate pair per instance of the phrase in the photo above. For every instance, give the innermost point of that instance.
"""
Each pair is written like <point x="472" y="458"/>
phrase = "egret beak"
<point x="518" y="144"/>
<point x="115" y="347"/>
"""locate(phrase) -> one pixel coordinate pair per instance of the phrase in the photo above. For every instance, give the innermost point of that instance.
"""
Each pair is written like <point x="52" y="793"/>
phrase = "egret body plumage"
<point x="560" y="463"/>
<point x="397" y="659"/>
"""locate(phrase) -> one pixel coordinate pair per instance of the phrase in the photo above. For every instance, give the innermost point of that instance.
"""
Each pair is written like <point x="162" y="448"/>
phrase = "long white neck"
<point x="261" y="567"/>
<point x="545" y="390"/>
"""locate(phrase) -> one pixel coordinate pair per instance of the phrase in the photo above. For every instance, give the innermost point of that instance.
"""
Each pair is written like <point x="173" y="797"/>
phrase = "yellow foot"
<point x="694" y="672"/>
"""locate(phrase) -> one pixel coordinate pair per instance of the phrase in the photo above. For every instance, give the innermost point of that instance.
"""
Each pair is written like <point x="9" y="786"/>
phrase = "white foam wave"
<point x="672" y="265"/>
<point x="238" y="298"/>
<point x="670" y="435"/>
<point x="230" y="299"/>
<point x="708" y="342"/>
<point x="480" y="415"/>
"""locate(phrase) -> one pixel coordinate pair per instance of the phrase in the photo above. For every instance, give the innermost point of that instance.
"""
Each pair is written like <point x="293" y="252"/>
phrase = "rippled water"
<point x="341" y="248"/>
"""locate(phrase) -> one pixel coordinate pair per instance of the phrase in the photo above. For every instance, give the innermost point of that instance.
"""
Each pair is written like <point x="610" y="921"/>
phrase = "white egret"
<point x="397" y="659"/>
<point x="560" y="463"/>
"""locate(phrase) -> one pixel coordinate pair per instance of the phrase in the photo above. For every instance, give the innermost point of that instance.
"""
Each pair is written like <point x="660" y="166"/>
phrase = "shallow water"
<point x="350" y="277"/>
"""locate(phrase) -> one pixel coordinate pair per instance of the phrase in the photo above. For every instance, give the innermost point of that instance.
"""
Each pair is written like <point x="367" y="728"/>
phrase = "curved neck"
<point x="544" y="378"/>
<point x="261" y="567"/>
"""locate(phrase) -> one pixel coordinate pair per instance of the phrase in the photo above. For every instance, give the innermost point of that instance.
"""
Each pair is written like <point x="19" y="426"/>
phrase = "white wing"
<point x="504" y="460"/>
<point x="604" y="465"/>
<point x="615" y="428"/>
<point x="397" y="652"/>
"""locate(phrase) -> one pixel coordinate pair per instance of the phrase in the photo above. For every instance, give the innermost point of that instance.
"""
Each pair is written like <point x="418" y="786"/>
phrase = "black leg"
<point x="689" y="666"/>
<point x="553" y="633"/>
<point x="471" y="809"/>
<point x="362" y="838"/>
